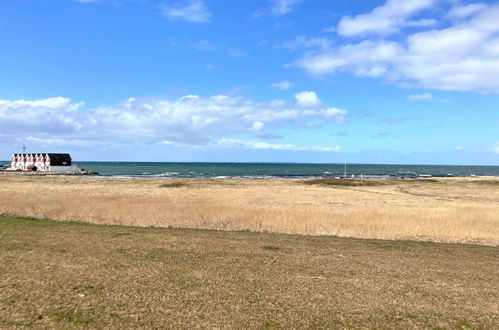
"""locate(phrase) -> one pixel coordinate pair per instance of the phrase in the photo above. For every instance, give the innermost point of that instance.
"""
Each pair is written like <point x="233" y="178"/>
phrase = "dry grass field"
<point x="442" y="210"/>
<point x="73" y="275"/>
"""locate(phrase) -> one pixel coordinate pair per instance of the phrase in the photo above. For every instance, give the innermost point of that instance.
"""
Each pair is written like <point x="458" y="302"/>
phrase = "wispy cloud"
<point x="209" y="46"/>
<point x="116" y="3"/>
<point x="284" y="85"/>
<point x="205" y="45"/>
<point x="396" y="120"/>
<point x="283" y="7"/>
<point x="193" y="11"/>
<point x="235" y="52"/>
<point x="386" y="19"/>
<point x="276" y="8"/>
<point x="303" y="41"/>
<point x="420" y="97"/>
<point x="384" y="135"/>
<point x="261" y="145"/>
<point x="465" y="11"/>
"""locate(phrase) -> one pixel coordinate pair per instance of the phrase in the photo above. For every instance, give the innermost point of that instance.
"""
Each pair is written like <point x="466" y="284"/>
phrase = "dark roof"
<point x="55" y="159"/>
<point x="59" y="158"/>
<point x="51" y="155"/>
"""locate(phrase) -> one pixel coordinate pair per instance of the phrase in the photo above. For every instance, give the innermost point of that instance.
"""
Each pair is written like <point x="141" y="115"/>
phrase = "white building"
<point x="41" y="162"/>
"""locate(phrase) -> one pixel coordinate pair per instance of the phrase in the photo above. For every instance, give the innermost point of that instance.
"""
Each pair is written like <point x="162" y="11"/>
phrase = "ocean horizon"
<point x="285" y="170"/>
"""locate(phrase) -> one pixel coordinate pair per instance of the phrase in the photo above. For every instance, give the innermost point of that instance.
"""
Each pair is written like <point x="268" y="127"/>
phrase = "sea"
<point x="279" y="170"/>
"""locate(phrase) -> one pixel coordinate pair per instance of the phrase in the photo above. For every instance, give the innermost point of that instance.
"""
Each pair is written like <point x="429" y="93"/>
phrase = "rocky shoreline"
<point x="39" y="173"/>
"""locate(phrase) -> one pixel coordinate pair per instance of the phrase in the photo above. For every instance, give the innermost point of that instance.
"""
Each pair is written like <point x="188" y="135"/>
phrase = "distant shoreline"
<point x="278" y="170"/>
<point x="47" y="173"/>
<point x="305" y="176"/>
<point x="175" y="176"/>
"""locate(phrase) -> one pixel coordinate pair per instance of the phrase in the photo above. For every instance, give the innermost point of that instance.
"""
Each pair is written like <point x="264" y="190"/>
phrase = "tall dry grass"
<point x="448" y="210"/>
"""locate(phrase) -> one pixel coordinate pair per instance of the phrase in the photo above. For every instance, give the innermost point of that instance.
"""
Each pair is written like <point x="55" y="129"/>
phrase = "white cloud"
<point x="261" y="145"/>
<point x="257" y="126"/>
<point x="462" y="57"/>
<point x="210" y="66"/>
<point x="365" y="59"/>
<point x="467" y="10"/>
<point x="496" y="148"/>
<point x="283" y="85"/>
<point x="386" y="19"/>
<point x="51" y="116"/>
<point x="194" y="11"/>
<point x="420" y="97"/>
<point x="51" y="103"/>
<point x="307" y="99"/>
<point x="283" y="7"/>
<point x="189" y="120"/>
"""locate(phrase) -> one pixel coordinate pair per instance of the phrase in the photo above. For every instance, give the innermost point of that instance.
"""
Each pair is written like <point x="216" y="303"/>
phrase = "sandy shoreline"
<point x="460" y="210"/>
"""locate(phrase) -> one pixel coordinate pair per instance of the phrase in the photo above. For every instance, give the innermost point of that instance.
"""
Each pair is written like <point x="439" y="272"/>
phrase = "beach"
<point x="452" y="210"/>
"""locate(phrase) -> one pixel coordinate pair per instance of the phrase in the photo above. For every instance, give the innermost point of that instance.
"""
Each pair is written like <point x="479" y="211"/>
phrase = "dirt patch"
<point x="331" y="182"/>
<point x="175" y="184"/>
<point x="494" y="183"/>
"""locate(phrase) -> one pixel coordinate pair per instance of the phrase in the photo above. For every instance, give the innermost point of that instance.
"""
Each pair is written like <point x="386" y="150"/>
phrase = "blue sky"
<point x="413" y="81"/>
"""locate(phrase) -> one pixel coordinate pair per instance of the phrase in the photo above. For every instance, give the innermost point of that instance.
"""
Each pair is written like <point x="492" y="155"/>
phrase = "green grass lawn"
<point x="55" y="274"/>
